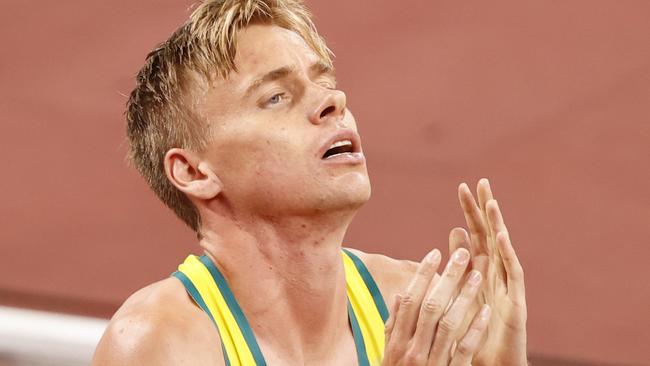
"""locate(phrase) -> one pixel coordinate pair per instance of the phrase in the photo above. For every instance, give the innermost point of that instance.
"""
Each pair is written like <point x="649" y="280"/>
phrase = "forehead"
<point x="261" y="48"/>
<point x="265" y="47"/>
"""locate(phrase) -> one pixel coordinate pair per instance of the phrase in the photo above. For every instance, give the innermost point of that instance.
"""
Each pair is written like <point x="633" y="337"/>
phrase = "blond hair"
<point x="159" y="111"/>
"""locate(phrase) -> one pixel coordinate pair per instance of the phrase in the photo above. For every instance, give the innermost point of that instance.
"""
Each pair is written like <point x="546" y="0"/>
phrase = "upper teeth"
<point x="340" y="143"/>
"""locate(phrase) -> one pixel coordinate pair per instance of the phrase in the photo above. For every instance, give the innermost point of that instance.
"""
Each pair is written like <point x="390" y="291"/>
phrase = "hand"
<point x="422" y="329"/>
<point x="494" y="256"/>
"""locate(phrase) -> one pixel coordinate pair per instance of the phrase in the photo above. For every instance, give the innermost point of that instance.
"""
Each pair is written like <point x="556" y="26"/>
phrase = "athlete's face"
<point x="273" y="122"/>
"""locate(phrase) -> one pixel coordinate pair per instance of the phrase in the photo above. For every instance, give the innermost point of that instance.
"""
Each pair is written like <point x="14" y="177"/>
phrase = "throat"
<point x="288" y="277"/>
<point x="305" y="320"/>
<point x="295" y="300"/>
<point x="315" y="304"/>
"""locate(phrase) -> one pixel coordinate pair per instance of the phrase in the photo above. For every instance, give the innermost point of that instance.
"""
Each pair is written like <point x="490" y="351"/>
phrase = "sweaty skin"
<point x="273" y="218"/>
<point x="274" y="215"/>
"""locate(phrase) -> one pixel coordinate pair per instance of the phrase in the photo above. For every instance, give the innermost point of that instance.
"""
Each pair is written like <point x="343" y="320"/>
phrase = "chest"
<point x="342" y="353"/>
<point x="367" y="314"/>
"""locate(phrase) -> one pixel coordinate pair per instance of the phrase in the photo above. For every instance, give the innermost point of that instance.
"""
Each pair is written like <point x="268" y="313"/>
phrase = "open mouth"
<point x="339" y="147"/>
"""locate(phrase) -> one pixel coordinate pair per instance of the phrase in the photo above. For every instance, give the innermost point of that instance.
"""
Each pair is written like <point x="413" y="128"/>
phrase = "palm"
<point x="507" y="324"/>
<point x="503" y="289"/>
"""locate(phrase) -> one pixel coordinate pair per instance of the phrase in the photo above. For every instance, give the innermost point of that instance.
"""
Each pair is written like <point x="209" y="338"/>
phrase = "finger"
<point x="484" y="193"/>
<point x="458" y="238"/>
<point x="468" y="346"/>
<point x="389" y="352"/>
<point x="411" y="299"/>
<point x="394" y="309"/>
<point x="495" y="218"/>
<point x="452" y="322"/>
<point x="496" y="225"/>
<point x="514" y="271"/>
<point x="436" y="301"/>
<point x="475" y="220"/>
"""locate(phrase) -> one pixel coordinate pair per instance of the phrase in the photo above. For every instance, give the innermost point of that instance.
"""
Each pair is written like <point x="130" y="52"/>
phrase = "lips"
<point x="343" y="141"/>
<point x="339" y="147"/>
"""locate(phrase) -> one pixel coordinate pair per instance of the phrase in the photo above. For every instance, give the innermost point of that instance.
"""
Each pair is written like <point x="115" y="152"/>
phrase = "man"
<point x="237" y="125"/>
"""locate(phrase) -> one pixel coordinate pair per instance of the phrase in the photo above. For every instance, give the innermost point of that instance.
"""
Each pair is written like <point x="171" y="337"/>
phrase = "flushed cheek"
<point x="251" y="163"/>
<point x="278" y="185"/>
<point x="284" y="170"/>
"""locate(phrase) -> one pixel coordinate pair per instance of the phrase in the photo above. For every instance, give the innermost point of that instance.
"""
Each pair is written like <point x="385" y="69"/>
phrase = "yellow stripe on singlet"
<point x="208" y="288"/>
<point x="238" y="352"/>
<point x="365" y="308"/>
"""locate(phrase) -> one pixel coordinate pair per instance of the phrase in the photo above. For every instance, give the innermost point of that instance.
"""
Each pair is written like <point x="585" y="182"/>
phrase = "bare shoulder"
<point x="159" y="325"/>
<point x="391" y="275"/>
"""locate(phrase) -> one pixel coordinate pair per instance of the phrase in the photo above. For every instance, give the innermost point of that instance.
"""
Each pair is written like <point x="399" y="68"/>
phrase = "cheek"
<point x="272" y="178"/>
<point x="265" y="161"/>
<point x="282" y="164"/>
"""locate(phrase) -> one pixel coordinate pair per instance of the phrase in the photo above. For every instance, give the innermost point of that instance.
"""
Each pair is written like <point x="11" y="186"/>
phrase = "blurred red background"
<point x="549" y="99"/>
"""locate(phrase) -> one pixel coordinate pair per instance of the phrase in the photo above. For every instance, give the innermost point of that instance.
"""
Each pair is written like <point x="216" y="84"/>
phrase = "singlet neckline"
<point x="247" y="331"/>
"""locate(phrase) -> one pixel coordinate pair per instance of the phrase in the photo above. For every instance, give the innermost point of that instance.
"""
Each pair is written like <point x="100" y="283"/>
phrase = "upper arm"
<point x="130" y="341"/>
<point x="136" y="340"/>
<point x="158" y="326"/>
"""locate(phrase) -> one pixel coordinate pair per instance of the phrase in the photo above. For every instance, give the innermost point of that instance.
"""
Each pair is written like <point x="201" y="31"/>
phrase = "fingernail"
<point x="474" y="277"/>
<point x="432" y="256"/>
<point x="461" y="256"/>
<point x="459" y="235"/>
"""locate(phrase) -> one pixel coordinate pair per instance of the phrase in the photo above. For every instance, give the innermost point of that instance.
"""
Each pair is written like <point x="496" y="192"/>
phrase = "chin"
<point x="347" y="192"/>
<point x="352" y="192"/>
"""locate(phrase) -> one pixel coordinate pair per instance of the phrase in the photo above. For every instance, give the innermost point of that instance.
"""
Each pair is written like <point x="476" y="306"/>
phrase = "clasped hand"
<point x="422" y="330"/>
<point x="458" y="318"/>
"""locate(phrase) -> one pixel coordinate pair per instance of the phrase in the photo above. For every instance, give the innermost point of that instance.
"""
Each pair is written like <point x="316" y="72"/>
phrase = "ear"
<point x="191" y="175"/>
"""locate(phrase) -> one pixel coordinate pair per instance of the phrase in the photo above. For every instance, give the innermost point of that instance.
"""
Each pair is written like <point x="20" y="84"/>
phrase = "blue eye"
<point x="277" y="98"/>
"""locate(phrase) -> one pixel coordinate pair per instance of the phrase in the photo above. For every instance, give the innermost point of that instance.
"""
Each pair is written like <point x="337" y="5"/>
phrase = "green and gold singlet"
<point x="367" y="311"/>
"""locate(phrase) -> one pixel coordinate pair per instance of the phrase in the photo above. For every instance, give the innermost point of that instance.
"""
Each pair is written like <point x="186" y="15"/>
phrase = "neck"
<point x="295" y="262"/>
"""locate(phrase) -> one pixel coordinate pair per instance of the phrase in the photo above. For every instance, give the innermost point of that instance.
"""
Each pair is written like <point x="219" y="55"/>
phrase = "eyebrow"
<point x="321" y="67"/>
<point x="318" y="68"/>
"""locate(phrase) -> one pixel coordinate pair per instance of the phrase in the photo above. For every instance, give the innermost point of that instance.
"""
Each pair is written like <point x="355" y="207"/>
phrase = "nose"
<point x="331" y="107"/>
